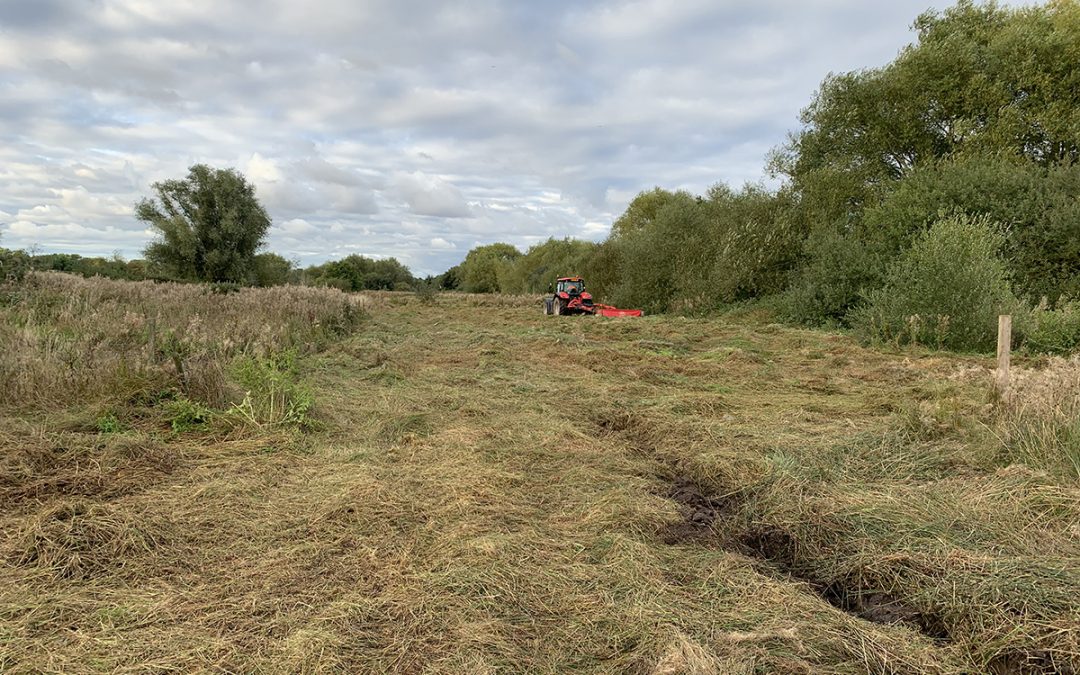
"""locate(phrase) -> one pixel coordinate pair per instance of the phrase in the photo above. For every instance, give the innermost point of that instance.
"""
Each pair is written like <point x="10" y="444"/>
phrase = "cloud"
<point x="322" y="171"/>
<point x="431" y="196"/>
<point x="404" y="128"/>
<point x="296" y="227"/>
<point x="72" y="237"/>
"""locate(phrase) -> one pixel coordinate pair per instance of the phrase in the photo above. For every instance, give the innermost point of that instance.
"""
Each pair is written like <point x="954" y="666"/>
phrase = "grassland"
<point x="469" y="486"/>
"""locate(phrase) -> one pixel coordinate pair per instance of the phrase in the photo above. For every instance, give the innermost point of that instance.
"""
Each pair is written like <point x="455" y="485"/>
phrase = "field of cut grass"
<point x="478" y="488"/>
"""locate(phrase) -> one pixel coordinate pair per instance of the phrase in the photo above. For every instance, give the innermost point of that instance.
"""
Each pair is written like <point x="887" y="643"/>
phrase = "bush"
<point x="426" y="292"/>
<point x="1054" y="331"/>
<point x="270" y="269"/>
<point x="697" y="254"/>
<point x="109" y="424"/>
<point x="13" y="265"/>
<point x="1036" y="206"/>
<point x="839" y="270"/>
<point x="758" y="242"/>
<point x="187" y="415"/>
<point x="946" y="291"/>
<point x="484" y="268"/>
<point x="600" y="269"/>
<point x="654" y="258"/>
<point x="358" y="273"/>
<point x="543" y="263"/>
<point x="274" y="395"/>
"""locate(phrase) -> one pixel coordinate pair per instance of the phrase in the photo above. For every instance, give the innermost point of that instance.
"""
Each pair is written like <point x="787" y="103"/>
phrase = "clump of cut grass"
<point x="79" y="539"/>
<point x="38" y="465"/>
<point x="411" y="425"/>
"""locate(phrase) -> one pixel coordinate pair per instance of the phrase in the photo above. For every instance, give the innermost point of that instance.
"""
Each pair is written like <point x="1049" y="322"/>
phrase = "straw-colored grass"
<point x="67" y="338"/>
<point x="1041" y="419"/>
<point x="489" y="489"/>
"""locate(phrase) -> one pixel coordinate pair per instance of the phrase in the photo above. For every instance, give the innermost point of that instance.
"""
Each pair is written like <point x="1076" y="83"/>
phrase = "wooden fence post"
<point x="1004" y="350"/>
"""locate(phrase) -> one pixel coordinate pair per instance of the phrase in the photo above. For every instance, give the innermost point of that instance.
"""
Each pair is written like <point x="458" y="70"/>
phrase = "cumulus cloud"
<point x="431" y="196"/>
<point x="401" y="128"/>
<point x="296" y="227"/>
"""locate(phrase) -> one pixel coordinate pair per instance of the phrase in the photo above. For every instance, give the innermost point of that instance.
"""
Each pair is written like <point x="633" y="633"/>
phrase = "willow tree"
<point x="210" y="225"/>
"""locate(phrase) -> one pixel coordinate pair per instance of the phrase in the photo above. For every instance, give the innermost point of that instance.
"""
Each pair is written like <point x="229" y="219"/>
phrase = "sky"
<point x="416" y="130"/>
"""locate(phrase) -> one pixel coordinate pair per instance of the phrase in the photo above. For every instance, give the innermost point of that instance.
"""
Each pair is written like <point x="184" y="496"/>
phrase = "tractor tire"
<point x="556" y="308"/>
<point x="547" y="306"/>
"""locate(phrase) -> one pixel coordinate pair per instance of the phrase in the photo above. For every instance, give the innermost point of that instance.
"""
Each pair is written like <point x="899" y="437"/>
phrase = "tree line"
<point x="352" y="273"/>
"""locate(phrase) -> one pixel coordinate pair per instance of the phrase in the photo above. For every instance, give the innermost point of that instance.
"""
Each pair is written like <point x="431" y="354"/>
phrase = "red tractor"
<point x="568" y="296"/>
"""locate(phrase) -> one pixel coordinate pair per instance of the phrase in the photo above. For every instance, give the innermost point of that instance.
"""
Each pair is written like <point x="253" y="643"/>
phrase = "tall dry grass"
<point x="65" y="338"/>
<point x="1040" y="423"/>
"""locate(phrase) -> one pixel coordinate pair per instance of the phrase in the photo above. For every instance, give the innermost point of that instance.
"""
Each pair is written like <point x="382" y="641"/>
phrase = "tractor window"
<point x="571" y="287"/>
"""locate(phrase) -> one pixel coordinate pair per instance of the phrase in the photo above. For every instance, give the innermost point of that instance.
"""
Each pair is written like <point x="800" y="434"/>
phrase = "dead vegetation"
<point x="67" y="338"/>
<point x="1040" y="423"/>
<point x="487" y="489"/>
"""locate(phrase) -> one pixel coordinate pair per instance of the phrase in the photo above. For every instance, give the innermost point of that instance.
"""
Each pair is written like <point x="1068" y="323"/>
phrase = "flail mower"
<point x="568" y="296"/>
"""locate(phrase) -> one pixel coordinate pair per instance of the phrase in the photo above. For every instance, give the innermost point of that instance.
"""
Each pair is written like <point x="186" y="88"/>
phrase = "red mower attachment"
<point x="608" y="310"/>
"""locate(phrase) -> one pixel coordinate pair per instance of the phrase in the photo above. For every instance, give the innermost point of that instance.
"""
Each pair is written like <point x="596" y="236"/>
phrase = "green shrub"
<point x="1035" y="205"/>
<point x="601" y="270"/>
<point x="270" y="269"/>
<point x="654" y="258"/>
<point x="187" y="415"/>
<point x="425" y="292"/>
<point x="274" y="395"/>
<point x="839" y="269"/>
<point x="758" y="241"/>
<point x="485" y="267"/>
<point x="109" y="424"/>
<point x="543" y="263"/>
<point x="358" y="273"/>
<point x="946" y="291"/>
<point x="1054" y="331"/>
<point x="697" y="254"/>
<point x="13" y="265"/>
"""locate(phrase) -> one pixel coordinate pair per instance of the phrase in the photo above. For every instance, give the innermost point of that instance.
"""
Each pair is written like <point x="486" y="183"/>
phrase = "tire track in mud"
<point x="776" y="553"/>
<point x="728" y="520"/>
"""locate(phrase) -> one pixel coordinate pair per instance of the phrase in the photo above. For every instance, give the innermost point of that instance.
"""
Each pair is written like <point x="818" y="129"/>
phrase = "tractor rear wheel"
<point x="556" y="307"/>
<point x="547" y="306"/>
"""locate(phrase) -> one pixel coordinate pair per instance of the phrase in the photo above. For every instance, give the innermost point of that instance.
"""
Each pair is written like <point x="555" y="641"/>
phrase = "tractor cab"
<point x="570" y="286"/>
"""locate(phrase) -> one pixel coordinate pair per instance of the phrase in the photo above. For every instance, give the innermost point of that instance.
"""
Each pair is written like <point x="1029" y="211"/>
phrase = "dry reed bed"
<point x="68" y="338"/>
